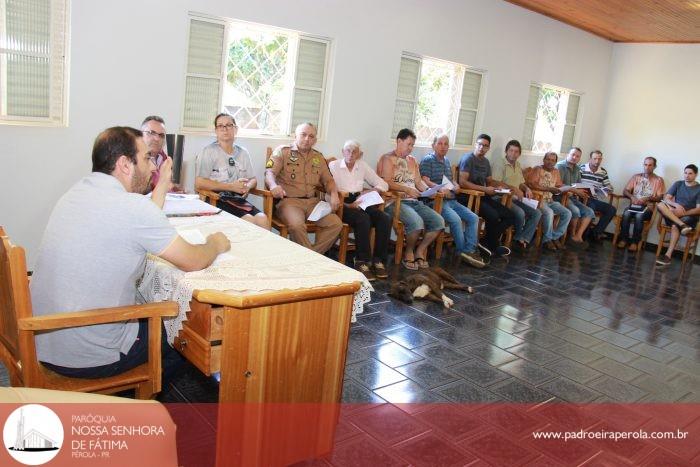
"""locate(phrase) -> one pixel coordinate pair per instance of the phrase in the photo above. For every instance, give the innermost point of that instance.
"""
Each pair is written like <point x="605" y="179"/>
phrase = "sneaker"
<point x="502" y="251"/>
<point x="663" y="260"/>
<point x="685" y="229"/>
<point x="485" y="252"/>
<point x="473" y="258"/>
<point x="621" y="244"/>
<point x="365" y="269"/>
<point x="380" y="270"/>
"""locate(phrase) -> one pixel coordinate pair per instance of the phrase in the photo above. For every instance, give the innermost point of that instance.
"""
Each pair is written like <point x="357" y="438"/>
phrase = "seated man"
<point x="226" y="167"/>
<point x="153" y="128"/>
<point x="643" y="190"/>
<point x="350" y="174"/>
<point x="681" y="209"/>
<point x="546" y="178"/>
<point x="293" y="173"/>
<point x="571" y="174"/>
<point x="400" y="170"/>
<point x="93" y="252"/>
<point x="475" y="174"/>
<point x="434" y="167"/>
<point x="595" y="174"/>
<point x="508" y="170"/>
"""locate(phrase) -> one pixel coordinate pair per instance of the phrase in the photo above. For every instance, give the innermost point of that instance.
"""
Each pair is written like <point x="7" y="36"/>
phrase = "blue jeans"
<point x="578" y="209"/>
<point x="417" y="216"/>
<point x="549" y="210"/>
<point x="526" y="220"/>
<point x="465" y="236"/>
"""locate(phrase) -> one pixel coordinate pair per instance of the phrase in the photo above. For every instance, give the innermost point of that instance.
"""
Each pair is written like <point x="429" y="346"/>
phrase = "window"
<point x="435" y="96"/>
<point x="551" y="119"/>
<point x="33" y="36"/>
<point x="269" y="79"/>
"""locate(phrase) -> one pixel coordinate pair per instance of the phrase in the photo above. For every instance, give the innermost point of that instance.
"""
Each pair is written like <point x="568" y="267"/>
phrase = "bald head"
<point x="305" y="136"/>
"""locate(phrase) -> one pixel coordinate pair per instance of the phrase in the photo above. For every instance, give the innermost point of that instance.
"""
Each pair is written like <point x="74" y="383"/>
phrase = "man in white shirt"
<point x="350" y="174"/>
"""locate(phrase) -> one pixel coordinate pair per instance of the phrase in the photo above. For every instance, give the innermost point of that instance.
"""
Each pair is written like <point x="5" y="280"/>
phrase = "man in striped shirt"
<point x="596" y="175"/>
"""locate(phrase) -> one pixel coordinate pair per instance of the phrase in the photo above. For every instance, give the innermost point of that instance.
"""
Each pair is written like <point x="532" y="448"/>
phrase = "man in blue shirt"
<point x="680" y="209"/>
<point x="434" y="168"/>
<point x="475" y="174"/>
<point x="570" y="174"/>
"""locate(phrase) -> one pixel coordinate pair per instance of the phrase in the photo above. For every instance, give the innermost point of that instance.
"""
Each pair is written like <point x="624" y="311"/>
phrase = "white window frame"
<point x="293" y="50"/>
<point x="478" y="120"/>
<point x="577" y="124"/>
<point x="59" y="66"/>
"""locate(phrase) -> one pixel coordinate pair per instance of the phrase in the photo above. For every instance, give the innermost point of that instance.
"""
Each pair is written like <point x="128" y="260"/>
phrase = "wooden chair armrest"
<point x="97" y="316"/>
<point x="210" y="196"/>
<point x="471" y="192"/>
<point x="260" y="192"/>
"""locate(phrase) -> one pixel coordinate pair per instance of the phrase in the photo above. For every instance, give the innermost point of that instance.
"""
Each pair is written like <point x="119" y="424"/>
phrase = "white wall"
<point x="128" y="61"/>
<point x="653" y="109"/>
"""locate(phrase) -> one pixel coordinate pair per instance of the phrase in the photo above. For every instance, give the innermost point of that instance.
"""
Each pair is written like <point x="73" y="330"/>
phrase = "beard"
<point x="141" y="183"/>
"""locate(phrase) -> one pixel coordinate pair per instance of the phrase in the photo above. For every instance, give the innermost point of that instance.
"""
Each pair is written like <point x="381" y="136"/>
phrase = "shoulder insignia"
<point x="269" y="163"/>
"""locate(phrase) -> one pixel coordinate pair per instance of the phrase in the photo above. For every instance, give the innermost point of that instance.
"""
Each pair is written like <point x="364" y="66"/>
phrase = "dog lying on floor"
<point x="427" y="283"/>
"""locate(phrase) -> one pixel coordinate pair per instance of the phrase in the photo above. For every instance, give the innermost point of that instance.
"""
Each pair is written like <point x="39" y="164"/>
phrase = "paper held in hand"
<point x="533" y="203"/>
<point x="368" y="199"/>
<point x="447" y="184"/>
<point x="502" y="191"/>
<point x="432" y="191"/>
<point x="322" y="209"/>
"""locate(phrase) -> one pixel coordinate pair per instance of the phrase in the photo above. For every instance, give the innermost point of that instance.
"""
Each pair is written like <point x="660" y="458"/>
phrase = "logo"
<point x="33" y="434"/>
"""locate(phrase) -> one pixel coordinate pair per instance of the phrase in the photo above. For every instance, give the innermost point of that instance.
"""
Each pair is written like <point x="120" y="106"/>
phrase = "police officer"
<point x="293" y="174"/>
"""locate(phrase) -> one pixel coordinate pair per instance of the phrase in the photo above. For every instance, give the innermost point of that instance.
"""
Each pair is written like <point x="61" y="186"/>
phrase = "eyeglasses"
<point x="153" y="160"/>
<point x="154" y="133"/>
<point x="228" y="126"/>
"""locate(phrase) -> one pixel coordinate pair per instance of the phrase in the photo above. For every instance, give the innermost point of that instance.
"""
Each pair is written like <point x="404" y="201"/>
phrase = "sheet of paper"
<point x="188" y="206"/>
<point x="430" y="192"/>
<point x="320" y="210"/>
<point x="193" y="236"/>
<point x="447" y="184"/>
<point x="368" y="199"/>
<point x="533" y="203"/>
<point x="180" y="196"/>
<point x="502" y="190"/>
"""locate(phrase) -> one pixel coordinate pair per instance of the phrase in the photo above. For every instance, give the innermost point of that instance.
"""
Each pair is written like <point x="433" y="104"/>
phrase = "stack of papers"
<point x="185" y="206"/>
<point x="368" y="199"/>
<point x="322" y="209"/>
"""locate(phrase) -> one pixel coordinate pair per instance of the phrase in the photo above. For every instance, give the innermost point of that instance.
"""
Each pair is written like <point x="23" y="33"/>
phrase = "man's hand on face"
<point x="166" y="174"/>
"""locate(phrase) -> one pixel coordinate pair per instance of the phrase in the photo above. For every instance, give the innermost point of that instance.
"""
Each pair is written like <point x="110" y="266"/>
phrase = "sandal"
<point x="410" y="264"/>
<point x="422" y="263"/>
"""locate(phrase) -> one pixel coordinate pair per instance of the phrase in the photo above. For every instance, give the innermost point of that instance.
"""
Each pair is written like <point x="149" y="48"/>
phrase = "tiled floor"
<point x="579" y="327"/>
<point x="593" y="326"/>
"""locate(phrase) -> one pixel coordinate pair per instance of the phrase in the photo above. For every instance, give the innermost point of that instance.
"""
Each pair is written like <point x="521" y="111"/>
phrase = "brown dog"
<point x="427" y="283"/>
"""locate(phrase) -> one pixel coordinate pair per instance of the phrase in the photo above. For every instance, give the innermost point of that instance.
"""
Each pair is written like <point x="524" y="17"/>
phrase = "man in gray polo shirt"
<point x="93" y="252"/>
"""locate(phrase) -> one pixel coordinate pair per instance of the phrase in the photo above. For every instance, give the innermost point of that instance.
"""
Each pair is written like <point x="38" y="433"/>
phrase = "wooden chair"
<point x="212" y="197"/>
<point x="18" y="327"/>
<point x="474" y="203"/>
<point x="539" y="196"/>
<point x="691" y="240"/>
<point x="618" y="222"/>
<point x="400" y="230"/>
<point x="345" y="243"/>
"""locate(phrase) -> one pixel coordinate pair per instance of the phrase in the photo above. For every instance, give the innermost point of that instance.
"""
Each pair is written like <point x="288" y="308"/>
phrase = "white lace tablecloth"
<point x="259" y="261"/>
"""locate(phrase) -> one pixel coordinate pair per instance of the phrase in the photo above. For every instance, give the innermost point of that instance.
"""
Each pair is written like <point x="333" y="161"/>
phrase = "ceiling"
<point x="626" y="20"/>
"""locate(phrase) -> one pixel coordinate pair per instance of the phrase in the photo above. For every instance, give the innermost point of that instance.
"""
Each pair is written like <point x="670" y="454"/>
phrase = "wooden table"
<point x="282" y="358"/>
<point x="280" y="354"/>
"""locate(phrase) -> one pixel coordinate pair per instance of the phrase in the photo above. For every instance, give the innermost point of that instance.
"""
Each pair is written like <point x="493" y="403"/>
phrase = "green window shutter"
<point x="406" y="94"/>
<point x="531" y="116"/>
<point x="310" y="82"/>
<point x="567" y="140"/>
<point x="466" y="122"/>
<point x="203" y="78"/>
<point x="32" y="54"/>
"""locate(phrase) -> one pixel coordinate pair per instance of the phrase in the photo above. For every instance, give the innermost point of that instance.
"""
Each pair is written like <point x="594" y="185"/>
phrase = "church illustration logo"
<point x="33" y="434"/>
